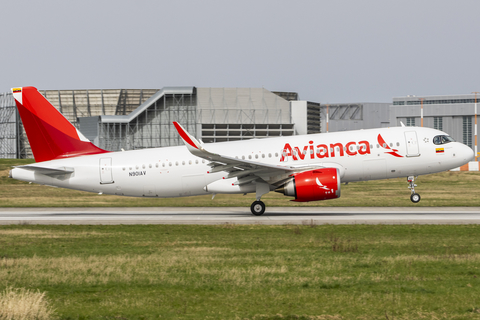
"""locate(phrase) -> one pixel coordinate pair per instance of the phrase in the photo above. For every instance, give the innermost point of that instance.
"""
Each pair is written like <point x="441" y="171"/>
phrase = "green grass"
<point x="247" y="272"/>
<point x="442" y="189"/>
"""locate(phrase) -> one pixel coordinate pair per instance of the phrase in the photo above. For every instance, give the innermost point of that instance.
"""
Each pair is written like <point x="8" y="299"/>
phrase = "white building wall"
<point x="241" y="105"/>
<point x="299" y="116"/>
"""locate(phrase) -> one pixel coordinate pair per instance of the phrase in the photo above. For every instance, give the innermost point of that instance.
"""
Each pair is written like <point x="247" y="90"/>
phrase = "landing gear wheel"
<point x="257" y="208"/>
<point x="415" y="197"/>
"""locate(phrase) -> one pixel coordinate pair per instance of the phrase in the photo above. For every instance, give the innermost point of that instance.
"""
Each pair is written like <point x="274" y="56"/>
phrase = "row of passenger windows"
<point x="165" y="164"/>
<point x="190" y="162"/>
<point x="250" y="157"/>
<point x="257" y="156"/>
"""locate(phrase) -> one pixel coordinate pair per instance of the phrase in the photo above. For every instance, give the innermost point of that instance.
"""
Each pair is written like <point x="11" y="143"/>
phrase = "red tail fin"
<point x="51" y="136"/>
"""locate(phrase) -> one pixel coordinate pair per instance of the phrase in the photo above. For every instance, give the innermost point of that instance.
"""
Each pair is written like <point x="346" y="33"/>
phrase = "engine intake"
<point x="313" y="185"/>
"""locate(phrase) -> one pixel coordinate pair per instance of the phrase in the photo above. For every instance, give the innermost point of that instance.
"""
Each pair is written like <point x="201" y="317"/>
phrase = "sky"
<point x="327" y="51"/>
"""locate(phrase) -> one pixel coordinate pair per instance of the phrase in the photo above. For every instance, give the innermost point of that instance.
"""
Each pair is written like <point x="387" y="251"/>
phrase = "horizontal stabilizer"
<point x="48" y="171"/>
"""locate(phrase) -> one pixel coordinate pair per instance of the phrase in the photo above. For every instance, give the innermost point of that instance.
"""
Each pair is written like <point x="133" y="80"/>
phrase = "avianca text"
<point x="325" y="151"/>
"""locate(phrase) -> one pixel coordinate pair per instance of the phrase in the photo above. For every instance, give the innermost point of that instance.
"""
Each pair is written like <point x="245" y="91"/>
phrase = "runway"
<point x="241" y="215"/>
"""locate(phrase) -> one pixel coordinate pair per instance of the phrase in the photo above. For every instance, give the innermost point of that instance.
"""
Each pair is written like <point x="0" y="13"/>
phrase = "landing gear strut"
<point x="415" y="197"/>
<point x="257" y="208"/>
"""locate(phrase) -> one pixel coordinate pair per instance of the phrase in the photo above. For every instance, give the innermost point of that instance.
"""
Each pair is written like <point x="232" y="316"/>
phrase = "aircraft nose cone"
<point x="468" y="153"/>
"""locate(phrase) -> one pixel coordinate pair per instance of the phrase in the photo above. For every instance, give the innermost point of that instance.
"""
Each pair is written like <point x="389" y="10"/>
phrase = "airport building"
<point x="354" y="116"/>
<point x="127" y="119"/>
<point x="139" y="118"/>
<point x="454" y="114"/>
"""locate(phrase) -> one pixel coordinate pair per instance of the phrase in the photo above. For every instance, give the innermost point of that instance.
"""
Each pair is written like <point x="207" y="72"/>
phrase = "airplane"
<point x="305" y="167"/>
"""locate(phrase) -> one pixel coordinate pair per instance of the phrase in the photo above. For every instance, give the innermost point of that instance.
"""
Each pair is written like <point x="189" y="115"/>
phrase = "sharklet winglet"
<point x="187" y="138"/>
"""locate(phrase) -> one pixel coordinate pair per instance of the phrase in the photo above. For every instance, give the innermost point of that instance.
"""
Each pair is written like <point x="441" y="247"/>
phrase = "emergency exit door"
<point x="106" y="175"/>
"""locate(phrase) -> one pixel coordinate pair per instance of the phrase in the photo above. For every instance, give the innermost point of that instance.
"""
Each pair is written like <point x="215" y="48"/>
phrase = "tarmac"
<point x="241" y="215"/>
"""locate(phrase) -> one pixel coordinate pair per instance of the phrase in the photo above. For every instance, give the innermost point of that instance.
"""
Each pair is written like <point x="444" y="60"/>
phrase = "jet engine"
<point x="313" y="185"/>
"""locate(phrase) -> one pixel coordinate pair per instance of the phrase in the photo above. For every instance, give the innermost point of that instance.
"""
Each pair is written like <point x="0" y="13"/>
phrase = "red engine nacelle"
<point x="314" y="185"/>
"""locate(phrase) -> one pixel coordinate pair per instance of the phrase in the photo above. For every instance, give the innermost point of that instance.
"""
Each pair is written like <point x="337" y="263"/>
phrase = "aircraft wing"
<point x="244" y="170"/>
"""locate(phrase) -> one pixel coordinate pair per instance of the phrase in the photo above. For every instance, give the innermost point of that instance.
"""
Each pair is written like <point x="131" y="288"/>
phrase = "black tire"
<point x="257" y="208"/>
<point x="415" y="197"/>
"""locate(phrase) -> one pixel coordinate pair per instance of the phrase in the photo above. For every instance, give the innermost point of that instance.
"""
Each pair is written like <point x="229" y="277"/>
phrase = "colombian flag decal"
<point x="17" y="89"/>
<point x="439" y="150"/>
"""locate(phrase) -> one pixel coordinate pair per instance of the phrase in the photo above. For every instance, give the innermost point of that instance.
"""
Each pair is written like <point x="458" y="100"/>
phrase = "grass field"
<point x="247" y="272"/>
<point x="442" y="189"/>
<point x="244" y="272"/>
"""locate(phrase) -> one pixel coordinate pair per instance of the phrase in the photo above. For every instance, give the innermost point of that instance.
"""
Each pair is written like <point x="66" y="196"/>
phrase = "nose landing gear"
<point x="415" y="197"/>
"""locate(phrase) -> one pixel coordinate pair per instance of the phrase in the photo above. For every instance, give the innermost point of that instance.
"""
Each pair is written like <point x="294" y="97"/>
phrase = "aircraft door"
<point x="106" y="175"/>
<point x="412" y="144"/>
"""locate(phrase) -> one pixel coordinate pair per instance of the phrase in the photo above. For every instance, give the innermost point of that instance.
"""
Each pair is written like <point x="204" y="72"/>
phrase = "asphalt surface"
<point x="240" y="215"/>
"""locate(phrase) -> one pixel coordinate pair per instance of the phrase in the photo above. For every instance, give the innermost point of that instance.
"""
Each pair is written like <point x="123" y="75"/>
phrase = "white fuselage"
<point x="175" y="172"/>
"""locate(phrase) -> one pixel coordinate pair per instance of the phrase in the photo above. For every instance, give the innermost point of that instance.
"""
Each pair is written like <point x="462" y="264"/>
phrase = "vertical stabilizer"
<point x="50" y="134"/>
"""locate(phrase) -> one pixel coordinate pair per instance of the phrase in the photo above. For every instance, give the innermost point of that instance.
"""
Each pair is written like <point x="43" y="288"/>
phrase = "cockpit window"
<point x="442" y="139"/>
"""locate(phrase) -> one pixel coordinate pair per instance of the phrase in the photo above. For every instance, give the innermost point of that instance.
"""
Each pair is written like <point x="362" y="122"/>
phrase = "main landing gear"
<point x="257" y="208"/>
<point x="415" y="197"/>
